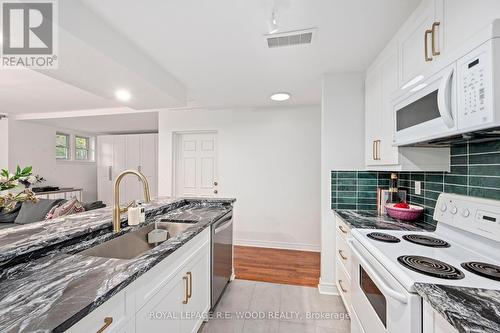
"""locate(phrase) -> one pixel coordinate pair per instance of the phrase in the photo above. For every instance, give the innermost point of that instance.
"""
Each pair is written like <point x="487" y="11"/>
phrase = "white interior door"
<point x="196" y="164"/>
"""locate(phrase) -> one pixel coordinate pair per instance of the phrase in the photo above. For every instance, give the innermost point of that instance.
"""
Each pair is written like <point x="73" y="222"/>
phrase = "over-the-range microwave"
<point x="460" y="97"/>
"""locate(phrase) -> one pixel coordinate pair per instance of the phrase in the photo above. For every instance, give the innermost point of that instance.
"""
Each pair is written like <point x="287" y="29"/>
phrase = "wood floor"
<point x="299" y="268"/>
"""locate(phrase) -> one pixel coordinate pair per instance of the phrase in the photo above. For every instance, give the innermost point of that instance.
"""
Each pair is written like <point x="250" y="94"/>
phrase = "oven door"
<point x="380" y="303"/>
<point x="428" y="110"/>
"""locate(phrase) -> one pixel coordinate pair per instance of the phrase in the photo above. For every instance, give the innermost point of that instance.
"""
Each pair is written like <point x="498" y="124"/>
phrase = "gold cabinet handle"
<point x="342" y="255"/>
<point x="341" y="228"/>
<point x="107" y="321"/>
<point x="378" y="149"/>
<point x="342" y="287"/>
<point x="186" y="298"/>
<point x="190" y="290"/>
<point x="426" y="45"/>
<point x="435" y="52"/>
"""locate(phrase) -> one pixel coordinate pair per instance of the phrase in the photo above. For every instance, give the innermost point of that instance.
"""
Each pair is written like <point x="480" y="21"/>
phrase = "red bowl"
<point x="405" y="214"/>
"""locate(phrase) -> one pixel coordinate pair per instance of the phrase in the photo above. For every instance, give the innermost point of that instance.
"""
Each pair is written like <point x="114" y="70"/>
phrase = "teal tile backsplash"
<point x="475" y="171"/>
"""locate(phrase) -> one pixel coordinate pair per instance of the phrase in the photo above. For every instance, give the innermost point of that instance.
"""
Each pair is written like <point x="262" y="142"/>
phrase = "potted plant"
<point x="14" y="188"/>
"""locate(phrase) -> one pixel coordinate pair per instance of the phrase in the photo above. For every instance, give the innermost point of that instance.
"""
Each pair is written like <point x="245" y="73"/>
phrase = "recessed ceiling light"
<point x="122" y="95"/>
<point x="280" y="97"/>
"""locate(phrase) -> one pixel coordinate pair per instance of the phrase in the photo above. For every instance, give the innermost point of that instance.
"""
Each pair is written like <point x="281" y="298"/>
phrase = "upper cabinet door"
<point x="373" y="116"/>
<point x="464" y="18"/>
<point x="388" y="154"/>
<point x="421" y="40"/>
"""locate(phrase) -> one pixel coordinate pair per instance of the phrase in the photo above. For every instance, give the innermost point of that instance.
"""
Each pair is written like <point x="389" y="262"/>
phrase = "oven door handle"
<point x="385" y="288"/>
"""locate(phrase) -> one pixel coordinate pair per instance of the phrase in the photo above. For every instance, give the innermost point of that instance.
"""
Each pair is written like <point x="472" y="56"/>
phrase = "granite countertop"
<point x="466" y="309"/>
<point x="372" y="220"/>
<point x="60" y="287"/>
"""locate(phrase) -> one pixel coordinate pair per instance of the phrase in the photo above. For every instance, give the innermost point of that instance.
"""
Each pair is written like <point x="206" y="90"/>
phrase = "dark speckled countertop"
<point x="466" y="309"/>
<point x="52" y="287"/>
<point x="372" y="220"/>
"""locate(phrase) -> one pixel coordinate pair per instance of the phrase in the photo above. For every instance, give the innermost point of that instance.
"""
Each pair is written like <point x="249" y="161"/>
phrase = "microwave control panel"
<point x="474" y="88"/>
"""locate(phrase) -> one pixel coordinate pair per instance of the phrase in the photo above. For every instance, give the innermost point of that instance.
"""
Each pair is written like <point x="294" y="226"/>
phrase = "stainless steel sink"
<point x="134" y="243"/>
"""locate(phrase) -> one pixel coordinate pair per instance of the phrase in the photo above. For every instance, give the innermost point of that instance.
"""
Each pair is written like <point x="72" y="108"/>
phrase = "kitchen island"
<point x="46" y="285"/>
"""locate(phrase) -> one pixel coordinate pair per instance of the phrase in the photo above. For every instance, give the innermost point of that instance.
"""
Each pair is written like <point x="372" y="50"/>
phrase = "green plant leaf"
<point x="27" y="170"/>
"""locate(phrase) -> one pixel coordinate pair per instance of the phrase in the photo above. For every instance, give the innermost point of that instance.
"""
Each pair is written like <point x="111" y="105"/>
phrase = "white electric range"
<point x="463" y="251"/>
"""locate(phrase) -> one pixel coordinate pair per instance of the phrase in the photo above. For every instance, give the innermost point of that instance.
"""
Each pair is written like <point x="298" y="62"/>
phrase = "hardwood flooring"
<point x="299" y="268"/>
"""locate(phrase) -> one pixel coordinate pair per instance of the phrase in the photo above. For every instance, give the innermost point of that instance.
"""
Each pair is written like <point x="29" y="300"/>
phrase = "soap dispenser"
<point x="134" y="214"/>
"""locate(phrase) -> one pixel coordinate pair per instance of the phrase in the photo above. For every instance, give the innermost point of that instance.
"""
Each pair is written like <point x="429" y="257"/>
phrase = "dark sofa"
<point x="25" y="213"/>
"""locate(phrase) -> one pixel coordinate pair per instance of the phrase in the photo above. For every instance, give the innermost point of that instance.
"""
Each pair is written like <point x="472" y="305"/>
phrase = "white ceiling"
<point x="26" y="91"/>
<point x="138" y="122"/>
<point x="217" y="50"/>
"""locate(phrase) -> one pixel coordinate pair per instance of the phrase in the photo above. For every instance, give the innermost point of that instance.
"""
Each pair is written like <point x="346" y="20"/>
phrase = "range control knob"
<point x="453" y="210"/>
<point x="443" y="207"/>
<point x="465" y="212"/>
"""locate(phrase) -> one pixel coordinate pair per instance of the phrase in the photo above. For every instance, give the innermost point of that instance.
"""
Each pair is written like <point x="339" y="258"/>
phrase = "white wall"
<point x="342" y="148"/>
<point x="34" y="144"/>
<point x="269" y="159"/>
<point x="4" y="143"/>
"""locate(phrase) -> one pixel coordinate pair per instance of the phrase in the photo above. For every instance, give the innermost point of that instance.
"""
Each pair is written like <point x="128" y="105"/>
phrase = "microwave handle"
<point x="444" y="99"/>
<point x="385" y="288"/>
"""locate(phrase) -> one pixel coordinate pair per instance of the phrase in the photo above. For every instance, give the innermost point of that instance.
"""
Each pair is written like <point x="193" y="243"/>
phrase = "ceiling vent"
<point x="290" y="38"/>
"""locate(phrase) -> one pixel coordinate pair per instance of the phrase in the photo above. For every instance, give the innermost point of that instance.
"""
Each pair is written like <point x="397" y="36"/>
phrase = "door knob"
<point x="215" y="183"/>
<point x="215" y="191"/>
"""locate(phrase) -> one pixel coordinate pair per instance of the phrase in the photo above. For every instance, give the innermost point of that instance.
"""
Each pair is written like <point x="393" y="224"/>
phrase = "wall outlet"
<point x="418" y="187"/>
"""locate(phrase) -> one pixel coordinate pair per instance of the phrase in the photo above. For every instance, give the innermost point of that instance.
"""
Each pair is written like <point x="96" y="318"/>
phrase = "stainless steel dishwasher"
<point x="222" y="256"/>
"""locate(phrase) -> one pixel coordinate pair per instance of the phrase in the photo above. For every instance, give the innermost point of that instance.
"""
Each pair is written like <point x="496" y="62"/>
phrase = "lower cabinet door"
<point x="198" y="273"/>
<point x="163" y="312"/>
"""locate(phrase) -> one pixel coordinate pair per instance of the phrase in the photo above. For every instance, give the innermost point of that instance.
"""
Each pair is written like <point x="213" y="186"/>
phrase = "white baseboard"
<point x="327" y="288"/>
<point x="278" y="245"/>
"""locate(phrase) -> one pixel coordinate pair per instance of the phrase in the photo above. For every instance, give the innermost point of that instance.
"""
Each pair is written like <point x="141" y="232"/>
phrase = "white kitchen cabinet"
<point x="149" y="161"/>
<point x="116" y="153"/>
<point x="380" y="154"/>
<point x="199" y="285"/>
<point x="373" y="116"/>
<point x="116" y="315"/>
<point x="381" y="82"/>
<point x="464" y="18"/>
<point x="163" y="310"/>
<point x="420" y="40"/>
<point x="183" y="295"/>
<point x="105" y="148"/>
<point x="119" y="163"/>
<point x="343" y="262"/>
<point x="162" y="299"/>
<point x="433" y="322"/>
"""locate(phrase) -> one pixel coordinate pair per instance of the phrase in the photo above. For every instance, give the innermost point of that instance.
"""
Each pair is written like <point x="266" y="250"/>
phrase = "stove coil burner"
<point x="431" y="267"/>
<point x="426" y="241"/>
<point x="379" y="236"/>
<point x="483" y="269"/>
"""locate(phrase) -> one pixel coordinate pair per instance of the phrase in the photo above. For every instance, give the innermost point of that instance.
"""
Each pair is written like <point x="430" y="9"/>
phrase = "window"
<point x="82" y="148"/>
<point x="62" y="146"/>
